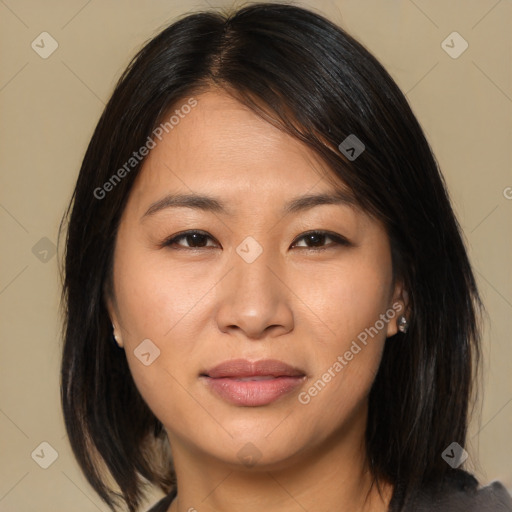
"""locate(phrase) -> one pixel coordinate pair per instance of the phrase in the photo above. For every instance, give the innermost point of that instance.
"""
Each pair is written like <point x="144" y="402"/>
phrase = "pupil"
<point x="196" y="239"/>
<point x="316" y="239"/>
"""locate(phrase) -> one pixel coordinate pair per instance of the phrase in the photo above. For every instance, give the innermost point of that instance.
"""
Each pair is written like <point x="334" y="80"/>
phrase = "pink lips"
<point x="243" y="383"/>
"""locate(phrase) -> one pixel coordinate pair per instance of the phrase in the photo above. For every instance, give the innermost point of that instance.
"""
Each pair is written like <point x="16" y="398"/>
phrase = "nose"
<point x="254" y="299"/>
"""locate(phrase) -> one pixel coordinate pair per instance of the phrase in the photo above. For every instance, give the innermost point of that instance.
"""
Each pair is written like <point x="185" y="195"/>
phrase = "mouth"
<point x="251" y="384"/>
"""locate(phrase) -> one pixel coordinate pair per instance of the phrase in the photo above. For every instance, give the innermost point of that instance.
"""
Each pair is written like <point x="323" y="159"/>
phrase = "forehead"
<point x="222" y="147"/>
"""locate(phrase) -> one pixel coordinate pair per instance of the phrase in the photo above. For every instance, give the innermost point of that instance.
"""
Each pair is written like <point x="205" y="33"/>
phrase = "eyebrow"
<point x="212" y="204"/>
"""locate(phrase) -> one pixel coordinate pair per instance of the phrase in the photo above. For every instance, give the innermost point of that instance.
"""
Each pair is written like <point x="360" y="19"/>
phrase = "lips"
<point x="242" y="368"/>
<point x="244" y="383"/>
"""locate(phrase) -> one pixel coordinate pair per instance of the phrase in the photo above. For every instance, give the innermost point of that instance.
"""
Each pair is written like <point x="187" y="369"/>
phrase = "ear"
<point x="400" y="306"/>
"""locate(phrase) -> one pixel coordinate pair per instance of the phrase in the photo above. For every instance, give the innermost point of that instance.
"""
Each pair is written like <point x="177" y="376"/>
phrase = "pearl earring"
<point x="115" y="336"/>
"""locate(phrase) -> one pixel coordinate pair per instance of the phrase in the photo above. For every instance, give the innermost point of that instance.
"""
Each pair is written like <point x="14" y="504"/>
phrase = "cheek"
<point x="167" y="303"/>
<point x="349" y="300"/>
<point x="158" y="298"/>
<point x="168" y="396"/>
<point x="347" y="297"/>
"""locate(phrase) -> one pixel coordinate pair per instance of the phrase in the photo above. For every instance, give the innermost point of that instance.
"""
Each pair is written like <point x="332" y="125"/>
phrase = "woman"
<point x="269" y="305"/>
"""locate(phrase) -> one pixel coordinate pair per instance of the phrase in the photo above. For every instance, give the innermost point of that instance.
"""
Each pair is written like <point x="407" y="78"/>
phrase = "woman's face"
<point x="252" y="286"/>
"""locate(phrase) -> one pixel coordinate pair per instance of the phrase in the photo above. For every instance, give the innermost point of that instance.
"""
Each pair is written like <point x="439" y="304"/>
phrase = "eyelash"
<point x="338" y="240"/>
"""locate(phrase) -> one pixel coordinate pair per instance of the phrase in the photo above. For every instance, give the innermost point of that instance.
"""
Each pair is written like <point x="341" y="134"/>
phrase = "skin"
<point x="206" y="305"/>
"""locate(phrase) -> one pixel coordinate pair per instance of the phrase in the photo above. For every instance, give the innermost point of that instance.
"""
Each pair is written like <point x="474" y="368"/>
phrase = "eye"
<point x="195" y="240"/>
<point x="199" y="239"/>
<point x="317" y="239"/>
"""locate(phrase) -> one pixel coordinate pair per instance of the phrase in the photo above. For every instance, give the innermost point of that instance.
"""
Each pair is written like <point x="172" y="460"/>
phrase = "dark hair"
<point x="311" y="79"/>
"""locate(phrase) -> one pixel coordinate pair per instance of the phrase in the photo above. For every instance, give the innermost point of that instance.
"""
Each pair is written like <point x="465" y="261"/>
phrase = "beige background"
<point x="49" y="108"/>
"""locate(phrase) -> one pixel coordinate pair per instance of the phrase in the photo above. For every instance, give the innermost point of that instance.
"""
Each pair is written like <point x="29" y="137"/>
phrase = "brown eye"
<point x="315" y="240"/>
<point x="194" y="240"/>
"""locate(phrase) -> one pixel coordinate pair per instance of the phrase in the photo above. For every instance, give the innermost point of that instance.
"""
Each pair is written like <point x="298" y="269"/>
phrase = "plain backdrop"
<point x="50" y="106"/>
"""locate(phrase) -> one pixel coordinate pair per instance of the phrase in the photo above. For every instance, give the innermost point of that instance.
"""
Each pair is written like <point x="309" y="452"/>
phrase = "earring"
<point x="403" y="324"/>
<point x="115" y="336"/>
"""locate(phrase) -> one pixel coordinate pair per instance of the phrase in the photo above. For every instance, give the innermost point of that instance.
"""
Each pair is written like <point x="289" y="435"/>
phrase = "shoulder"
<point x="460" y="492"/>
<point x="164" y="503"/>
